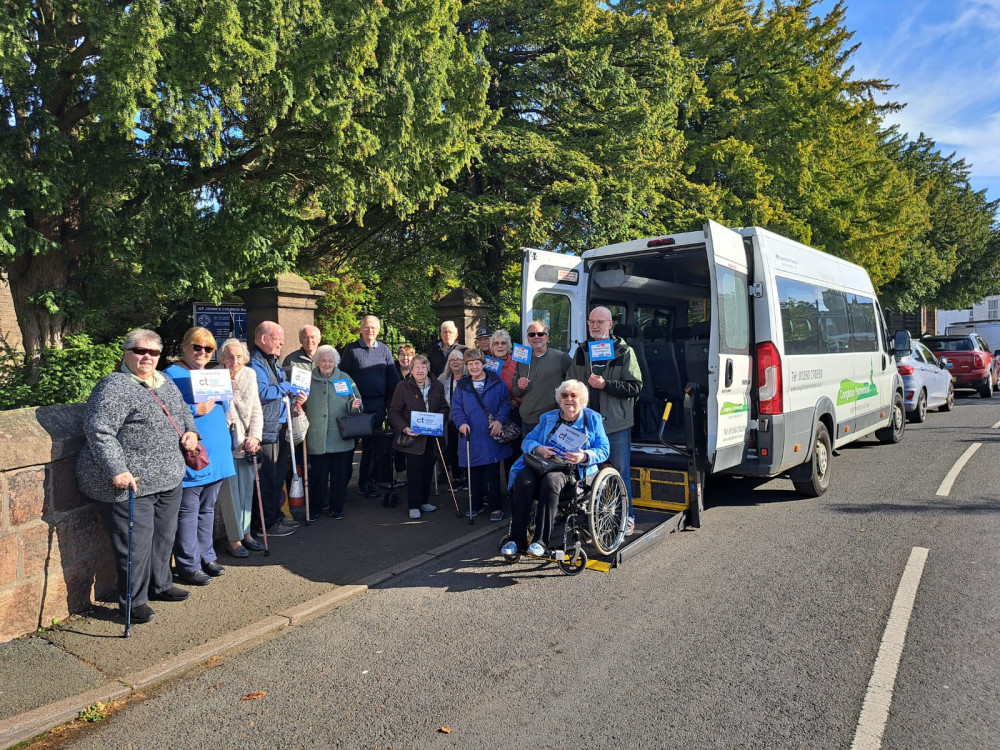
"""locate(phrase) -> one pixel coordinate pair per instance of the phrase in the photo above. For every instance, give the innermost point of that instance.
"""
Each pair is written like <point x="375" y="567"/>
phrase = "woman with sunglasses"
<point x="131" y="445"/>
<point x="193" y="550"/>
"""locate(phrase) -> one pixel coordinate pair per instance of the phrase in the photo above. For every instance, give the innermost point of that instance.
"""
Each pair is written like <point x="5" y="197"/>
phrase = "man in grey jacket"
<point x="614" y="386"/>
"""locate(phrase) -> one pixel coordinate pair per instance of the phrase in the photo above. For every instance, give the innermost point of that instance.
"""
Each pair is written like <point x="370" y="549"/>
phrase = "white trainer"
<point x="415" y="513"/>
<point x="428" y="508"/>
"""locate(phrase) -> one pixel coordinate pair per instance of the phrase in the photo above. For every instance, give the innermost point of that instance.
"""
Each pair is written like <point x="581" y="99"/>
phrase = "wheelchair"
<point x="595" y="512"/>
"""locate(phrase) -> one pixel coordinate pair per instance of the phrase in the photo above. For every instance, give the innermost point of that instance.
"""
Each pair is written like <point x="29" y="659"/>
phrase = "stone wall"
<point x="54" y="554"/>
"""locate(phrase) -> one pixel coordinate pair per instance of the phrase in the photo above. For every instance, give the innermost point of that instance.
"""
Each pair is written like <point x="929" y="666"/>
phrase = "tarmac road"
<point x="760" y="630"/>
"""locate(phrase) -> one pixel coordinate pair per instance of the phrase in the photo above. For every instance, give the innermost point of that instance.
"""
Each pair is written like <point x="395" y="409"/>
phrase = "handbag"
<point x="402" y="440"/>
<point x="196" y="459"/>
<point x="299" y="426"/>
<point x="508" y="432"/>
<point x="542" y="466"/>
<point x="358" y="425"/>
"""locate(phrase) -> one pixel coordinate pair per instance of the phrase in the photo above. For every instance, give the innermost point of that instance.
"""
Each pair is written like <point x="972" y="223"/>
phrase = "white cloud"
<point x="944" y="59"/>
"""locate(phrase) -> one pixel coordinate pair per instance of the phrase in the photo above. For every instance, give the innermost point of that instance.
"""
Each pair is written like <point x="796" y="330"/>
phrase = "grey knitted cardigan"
<point x="126" y="430"/>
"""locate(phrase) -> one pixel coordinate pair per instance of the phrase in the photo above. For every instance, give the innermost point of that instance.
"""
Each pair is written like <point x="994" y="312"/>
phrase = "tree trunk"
<point x="28" y="275"/>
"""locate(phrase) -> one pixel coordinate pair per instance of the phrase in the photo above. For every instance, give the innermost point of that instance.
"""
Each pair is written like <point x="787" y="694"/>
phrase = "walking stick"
<point x="468" y="468"/>
<point x="260" y="506"/>
<point x="295" y="468"/>
<point x="305" y="473"/>
<point x="128" y="577"/>
<point x="447" y="476"/>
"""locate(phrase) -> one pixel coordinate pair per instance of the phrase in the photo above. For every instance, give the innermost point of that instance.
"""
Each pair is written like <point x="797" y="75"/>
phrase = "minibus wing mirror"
<point x="901" y="343"/>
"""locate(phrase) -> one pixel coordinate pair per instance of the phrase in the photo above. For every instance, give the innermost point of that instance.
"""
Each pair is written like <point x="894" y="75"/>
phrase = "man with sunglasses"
<point x="274" y="455"/>
<point x="536" y="382"/>
<point x="613" y="386"/>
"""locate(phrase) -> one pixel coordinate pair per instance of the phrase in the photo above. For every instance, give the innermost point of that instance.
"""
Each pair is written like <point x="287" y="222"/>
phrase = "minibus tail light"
<point x="769" y="378"/>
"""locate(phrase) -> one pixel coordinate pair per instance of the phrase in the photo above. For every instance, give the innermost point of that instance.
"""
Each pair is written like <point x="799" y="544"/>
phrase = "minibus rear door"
<point x="554" y="289"/>
<point x="729" y="360"/>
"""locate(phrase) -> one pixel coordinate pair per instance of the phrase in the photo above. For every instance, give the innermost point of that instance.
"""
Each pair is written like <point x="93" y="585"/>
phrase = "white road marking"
<point x="875" y="709"/>
<point x="995" y="426"/>
<point x="952" y="475"/>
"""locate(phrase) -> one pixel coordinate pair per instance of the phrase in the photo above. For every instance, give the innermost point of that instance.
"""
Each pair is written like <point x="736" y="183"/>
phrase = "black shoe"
<point x="370" y="490"/>
<point x="313" y="517"/>
<point x="140" y="613"/>
<point x="173" y="594"/>
<point x="194" y="578"/>
<point x="279" y="529"/>
<point x="336" y="516"/>
<point x="213" y="569"/>
<point x="253" y="545"/>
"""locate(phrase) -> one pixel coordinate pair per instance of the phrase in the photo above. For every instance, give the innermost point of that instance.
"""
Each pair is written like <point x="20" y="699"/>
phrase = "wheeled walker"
<point x="595" y="512"/>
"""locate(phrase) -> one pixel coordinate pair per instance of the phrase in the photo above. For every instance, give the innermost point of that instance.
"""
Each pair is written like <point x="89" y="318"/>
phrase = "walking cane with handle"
<point x="128" y="577"/>
<point x="468" y="468"/>
<point x="260" y="506"/>
<point x="447" y="476"/>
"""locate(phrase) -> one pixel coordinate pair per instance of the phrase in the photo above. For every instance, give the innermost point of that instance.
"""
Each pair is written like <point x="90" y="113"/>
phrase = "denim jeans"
<point x="621" y="459"/>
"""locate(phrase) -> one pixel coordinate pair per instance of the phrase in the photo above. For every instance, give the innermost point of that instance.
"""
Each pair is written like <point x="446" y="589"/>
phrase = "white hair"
<point x="450" y="324"/>
<point x="327" y="349"/>
<point x="234" y="342"/>
<point x="573" y="385"/>
<point x="136" y="337"/>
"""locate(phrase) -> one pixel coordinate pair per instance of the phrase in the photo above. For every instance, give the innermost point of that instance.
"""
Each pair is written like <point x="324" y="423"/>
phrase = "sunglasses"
<point x="200" y="348"/>
<point x="141" y="352"/>
<point x="536" y="334"/>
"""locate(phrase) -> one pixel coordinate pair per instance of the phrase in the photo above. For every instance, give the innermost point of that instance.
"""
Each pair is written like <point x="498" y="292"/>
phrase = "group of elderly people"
<point x="140" y="424"/>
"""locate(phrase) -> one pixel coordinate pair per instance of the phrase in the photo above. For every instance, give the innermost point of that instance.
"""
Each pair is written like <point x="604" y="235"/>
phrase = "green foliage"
<point x="155" y="152"/>
<point x="338" y="314"/>
<point x="95" y="713"/>
<point x="61" y="376"/>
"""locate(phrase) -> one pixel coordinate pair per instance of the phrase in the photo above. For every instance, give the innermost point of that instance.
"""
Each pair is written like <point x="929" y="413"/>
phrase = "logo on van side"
<point x="850" y="391"/>
<point x="731" y="408"/>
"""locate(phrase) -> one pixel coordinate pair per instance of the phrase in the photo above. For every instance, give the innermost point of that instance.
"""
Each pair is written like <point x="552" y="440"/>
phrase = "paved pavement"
<point x="48" y="677"/>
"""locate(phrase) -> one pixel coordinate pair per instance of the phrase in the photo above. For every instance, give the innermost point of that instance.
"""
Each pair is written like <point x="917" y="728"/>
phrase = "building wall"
<point x="54" y="553"/>
<point x="9" y="330"/>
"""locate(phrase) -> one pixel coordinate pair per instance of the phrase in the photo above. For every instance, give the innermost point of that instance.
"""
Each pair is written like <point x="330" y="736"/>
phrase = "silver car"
<point x="927" y="382"/>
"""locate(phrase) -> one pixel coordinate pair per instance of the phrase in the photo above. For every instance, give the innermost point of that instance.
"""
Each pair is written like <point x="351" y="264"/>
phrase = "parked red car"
<point x="973" y="366"/>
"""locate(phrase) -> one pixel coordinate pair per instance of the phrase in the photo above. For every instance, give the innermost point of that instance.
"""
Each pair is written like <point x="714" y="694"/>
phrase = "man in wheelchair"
<point x="568" y="444"/>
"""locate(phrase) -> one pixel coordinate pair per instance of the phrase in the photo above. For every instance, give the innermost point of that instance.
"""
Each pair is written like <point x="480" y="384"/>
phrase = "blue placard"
<point x="427" y="423"/>
<point x="493" y="365"/>
<point x="521" y="354"/>
<point x="601" y="351"/>
<point x="300" y="379"/>
<point x="342" y="387"/>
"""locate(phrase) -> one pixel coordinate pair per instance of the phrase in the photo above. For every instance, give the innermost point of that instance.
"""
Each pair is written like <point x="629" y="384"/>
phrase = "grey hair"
<point x="573" y="385"/>
<point x="456" y="354"/>
<point x="326" y="348"/>
<point x="450" y="324"/>
<point x="305" y="328"/>
<point x="234" y="342"/>
<point x="542" y="323"/>
<point x="136" y="337"/>
<point x="501" y="335"/>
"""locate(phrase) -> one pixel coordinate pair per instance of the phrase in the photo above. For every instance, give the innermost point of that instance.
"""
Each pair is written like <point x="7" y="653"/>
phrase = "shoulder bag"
<point x="196" y="459"/>
<point x="508" y="432"/>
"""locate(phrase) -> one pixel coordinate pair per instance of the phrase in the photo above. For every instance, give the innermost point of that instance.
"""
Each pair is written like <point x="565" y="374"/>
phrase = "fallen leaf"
<point x="444" y="730"/>
<point x="254" y="696"/>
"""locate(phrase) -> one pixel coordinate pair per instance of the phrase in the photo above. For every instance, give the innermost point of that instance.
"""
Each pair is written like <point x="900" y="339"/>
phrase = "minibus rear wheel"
<point x="822" y="465"/>
<point x="893" y="432"/>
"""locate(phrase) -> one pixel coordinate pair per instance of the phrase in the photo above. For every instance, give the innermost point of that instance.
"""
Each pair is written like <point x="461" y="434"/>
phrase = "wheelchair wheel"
<point x="566" y="565"/>
<point x="607" y="511"/>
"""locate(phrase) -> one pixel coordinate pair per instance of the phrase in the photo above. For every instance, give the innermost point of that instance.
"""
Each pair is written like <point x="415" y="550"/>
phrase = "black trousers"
<point x="154" y="525"/>
<point x="547" y="488"/>
<point x="419" y="472"/>
<point x="272" y="462"/>
<point x="367" y="448"/>
<point x="486" y="486"/>
<point x="328" y="480"/>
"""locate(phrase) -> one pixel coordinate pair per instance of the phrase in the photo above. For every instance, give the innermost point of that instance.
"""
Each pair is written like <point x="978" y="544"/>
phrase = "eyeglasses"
<point x="201" y="348"/>
<point x="536" y="334"/>
<point x="141" y="352"/>
<point x="569" y="395"/>
<point x="596" y="322"/>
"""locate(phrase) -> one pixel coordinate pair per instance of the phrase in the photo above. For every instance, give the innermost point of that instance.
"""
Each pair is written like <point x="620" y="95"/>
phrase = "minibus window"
<point x="554" y="310"/>
<point x="732" y="310"/>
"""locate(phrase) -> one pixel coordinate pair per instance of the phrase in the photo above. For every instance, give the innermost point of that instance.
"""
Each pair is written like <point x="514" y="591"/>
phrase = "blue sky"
<point x="944" y="58"/>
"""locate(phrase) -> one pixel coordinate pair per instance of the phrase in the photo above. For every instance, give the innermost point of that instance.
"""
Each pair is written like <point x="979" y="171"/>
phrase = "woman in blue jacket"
<point x="196" y="559"/>
<point x="572" y="397"/>
<point x="480" y="408"/>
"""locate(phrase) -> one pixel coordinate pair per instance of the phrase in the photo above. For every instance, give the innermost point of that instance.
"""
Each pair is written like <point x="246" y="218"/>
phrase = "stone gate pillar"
<point x="467" y="309"/>
<point x="288" y="300"/>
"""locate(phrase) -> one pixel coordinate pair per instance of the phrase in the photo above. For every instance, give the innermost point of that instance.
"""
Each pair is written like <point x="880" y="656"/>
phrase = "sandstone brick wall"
<point x="54" y="554"/>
